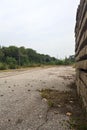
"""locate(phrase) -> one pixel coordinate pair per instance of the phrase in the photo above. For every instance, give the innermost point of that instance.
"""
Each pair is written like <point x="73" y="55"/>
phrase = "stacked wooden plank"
<point x="81" y="50"/>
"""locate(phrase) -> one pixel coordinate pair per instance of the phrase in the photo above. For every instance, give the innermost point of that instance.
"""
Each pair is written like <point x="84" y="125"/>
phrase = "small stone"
<point x="56" y="112"/>
<point x="44" y="99"/>
<point x="9" y="120"/>
<point x="1" y="95"/>
<point x="71" y="101"/>
<point x="68" y="114"/>
<point x="59" y="106"/>
<point x="44" y="82"/>
<point x="19" y="121"/>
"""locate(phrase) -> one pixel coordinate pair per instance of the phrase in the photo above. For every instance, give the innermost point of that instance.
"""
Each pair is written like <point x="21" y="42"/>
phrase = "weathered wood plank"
<point x="83" y="92"/>
<point x="81" y="65"/>
<point x="84" y="20"/>
<point x="82" y="53"/>
<point x="83" y="76"/>
<point x="84" y="36"/>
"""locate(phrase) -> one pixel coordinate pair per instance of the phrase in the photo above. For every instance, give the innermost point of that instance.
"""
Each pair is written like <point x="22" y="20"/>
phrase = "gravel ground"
<point x="21" y="105"/>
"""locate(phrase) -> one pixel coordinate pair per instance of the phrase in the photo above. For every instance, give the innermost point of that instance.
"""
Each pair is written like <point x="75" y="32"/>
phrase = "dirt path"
<point x="21" y="105"/>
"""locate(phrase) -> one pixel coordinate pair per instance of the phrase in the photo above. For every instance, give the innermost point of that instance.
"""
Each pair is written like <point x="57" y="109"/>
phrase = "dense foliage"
<point x="14" y="57"/>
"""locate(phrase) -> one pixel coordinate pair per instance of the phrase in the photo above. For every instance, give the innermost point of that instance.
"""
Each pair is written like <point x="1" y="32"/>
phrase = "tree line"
<point x="13" y="57"/>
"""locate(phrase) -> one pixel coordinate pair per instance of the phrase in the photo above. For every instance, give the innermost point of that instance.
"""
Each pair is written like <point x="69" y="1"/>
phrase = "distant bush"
<point x="12" y="63"/>
<point x="59" y="62"/>
<point x="3" y="66"/>
<point x="11" y="60"/>
<point x="34" y="65"/>
<point x="12" y="66"/>
<point x="13" y="57"/>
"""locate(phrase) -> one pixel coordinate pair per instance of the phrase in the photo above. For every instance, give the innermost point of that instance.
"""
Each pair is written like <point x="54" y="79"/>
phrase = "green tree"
<point x="11" y="62"/>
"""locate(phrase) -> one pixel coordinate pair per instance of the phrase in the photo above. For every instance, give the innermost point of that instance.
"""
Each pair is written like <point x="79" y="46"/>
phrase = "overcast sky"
<point x="44" y="25"/>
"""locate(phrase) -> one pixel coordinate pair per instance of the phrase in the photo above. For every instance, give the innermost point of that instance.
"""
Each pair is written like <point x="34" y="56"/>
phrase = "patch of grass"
<point x="45" y="94"/>
<point x="55" y="97"/>
<point x="3" y="66"/>
<point x="51" y="104"/>
<point x="78" y="124"/>
<point x="65" y="102"/>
